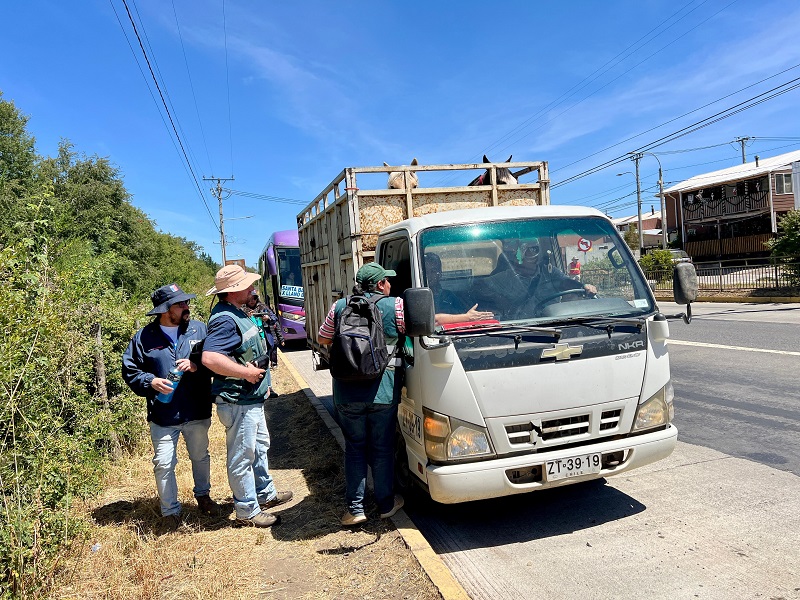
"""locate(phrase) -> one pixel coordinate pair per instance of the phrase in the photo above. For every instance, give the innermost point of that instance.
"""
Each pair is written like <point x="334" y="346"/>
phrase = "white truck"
<point x="569" y="379"/>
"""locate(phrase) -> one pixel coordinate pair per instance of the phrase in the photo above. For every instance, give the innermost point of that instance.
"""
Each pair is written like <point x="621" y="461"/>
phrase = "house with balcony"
<point x="733" y="212"/>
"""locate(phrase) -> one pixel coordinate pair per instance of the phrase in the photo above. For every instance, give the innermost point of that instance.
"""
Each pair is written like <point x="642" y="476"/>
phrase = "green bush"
<point x="786" y="247"/>
<point x="657" y="265"/>
<point x="75" y="254"/>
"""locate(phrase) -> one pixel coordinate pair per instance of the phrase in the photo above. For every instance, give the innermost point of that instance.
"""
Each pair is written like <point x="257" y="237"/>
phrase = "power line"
<point x="227" y="82"/>
<point x="166" y="108"/>
<point x="191" y="87"/>
<point x="596" y="74"/>
<point x="686" y="114"/>
<point x="256" y="196"/>
<point x="719" y="116"/>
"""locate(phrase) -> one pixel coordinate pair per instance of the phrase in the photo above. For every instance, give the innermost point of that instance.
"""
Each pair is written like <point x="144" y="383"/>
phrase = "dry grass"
<point x="307" y="556"/>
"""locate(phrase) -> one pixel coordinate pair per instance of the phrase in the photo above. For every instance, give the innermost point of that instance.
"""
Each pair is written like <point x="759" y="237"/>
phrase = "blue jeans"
<point x="165" y="457"/>
<point x="247" y="441"/>
<point x="369" y="433"/>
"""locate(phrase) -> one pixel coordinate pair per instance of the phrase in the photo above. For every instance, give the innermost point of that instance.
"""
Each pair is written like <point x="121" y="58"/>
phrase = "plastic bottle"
<point x="174" y="376"/>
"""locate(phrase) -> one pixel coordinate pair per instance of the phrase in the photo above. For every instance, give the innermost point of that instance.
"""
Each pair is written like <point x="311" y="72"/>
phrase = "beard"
<point x="185" y="316"/>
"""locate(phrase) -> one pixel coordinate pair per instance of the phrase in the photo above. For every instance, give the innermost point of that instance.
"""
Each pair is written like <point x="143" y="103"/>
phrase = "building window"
<point x="783" y="183"/>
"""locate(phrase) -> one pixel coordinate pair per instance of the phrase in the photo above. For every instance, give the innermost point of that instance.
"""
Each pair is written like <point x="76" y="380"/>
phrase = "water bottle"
<point x="174" y="376"/>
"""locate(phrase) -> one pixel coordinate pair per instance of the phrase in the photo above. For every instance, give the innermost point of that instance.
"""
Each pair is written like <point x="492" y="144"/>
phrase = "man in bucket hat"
<point x="231" y="348"/>
<point x="156" y="365"/>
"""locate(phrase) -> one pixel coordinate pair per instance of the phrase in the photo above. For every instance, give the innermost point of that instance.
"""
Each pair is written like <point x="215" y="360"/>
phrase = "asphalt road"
<point x="718" y="519"/>
<point x="740" y="401"/>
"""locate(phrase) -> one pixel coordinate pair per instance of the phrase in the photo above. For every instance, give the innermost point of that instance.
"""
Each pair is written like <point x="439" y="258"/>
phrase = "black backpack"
<point x="359" y="352"/>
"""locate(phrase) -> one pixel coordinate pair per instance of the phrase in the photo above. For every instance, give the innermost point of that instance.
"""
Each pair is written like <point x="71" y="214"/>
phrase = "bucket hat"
<point x="232" y="278"/>
<point x="166" y="296"/>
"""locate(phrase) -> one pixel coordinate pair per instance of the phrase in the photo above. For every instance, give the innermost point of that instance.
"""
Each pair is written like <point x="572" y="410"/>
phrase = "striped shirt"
<point x="328" y="328"/>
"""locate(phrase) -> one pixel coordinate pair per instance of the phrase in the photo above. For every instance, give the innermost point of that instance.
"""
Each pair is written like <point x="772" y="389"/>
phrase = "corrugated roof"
<point x="743" y="171"/>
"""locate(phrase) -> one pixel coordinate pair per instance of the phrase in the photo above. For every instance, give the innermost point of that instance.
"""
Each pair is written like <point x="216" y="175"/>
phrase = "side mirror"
<point x="419" y="314"/>
<point x="684" y="283"/>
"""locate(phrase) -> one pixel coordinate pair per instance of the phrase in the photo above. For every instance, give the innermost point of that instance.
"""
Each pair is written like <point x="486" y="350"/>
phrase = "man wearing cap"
<point x="367" y="411"/>
<point x="165" y="344"/>
<point x="232" y="346"/>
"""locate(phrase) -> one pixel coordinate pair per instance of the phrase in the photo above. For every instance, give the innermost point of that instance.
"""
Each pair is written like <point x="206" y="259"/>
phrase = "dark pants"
<point x="369" y="434"/>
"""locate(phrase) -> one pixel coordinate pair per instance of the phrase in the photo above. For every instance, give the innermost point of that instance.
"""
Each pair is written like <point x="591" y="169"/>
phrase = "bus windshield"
<point x="534" y="270"/>
<point x="290" y="283"/>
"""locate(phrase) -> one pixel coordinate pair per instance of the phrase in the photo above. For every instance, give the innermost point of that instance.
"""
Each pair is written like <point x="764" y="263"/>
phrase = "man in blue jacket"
<point x="173" y="407"/>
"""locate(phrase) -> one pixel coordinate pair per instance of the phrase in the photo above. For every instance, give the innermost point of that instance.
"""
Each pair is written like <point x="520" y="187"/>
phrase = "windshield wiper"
<point x="594" y="321"/>
<point x="512" y="331"/>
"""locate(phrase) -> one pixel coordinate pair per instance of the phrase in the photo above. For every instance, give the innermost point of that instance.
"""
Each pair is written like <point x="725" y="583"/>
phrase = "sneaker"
<point x="398" y="504"/>
<point x="207" y="506"/>
<point x="280" y="498"/>
<point x="262" y="519"/>
<point x="349" y="519"/>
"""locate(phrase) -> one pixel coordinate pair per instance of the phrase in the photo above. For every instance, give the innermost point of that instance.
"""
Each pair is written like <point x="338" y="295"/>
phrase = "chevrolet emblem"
<point x="562" y="351"/>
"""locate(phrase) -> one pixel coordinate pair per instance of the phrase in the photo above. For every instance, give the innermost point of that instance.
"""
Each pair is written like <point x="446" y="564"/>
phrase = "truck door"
<point x="395" y="255"/>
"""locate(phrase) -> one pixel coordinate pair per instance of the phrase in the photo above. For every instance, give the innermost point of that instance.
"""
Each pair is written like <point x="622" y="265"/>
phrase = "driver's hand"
<point x="479" y="315"/>
<point x="590" y="289"/>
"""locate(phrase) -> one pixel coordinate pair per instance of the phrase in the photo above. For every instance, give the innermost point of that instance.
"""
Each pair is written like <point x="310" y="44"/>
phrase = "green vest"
<point x="234" y="389"/>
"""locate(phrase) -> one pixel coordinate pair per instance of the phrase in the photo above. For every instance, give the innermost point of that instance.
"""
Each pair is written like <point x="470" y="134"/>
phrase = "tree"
<point x="631" y="237"/>
<point x="786" y="247"/>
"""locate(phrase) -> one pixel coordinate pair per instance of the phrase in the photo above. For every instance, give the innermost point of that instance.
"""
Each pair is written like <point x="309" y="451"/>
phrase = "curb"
<point x="430" y="562"/>
<point x="741" y="299"/>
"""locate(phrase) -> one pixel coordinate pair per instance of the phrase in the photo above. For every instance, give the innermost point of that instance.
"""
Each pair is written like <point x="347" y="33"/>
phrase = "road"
<point x="718" y="519"/>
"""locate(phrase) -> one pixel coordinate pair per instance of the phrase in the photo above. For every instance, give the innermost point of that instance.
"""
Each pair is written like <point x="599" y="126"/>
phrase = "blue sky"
<point x="302" y="90"/>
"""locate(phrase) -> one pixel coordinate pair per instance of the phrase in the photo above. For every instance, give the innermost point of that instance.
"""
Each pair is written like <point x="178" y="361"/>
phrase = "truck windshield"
<point x="534" y="270"/>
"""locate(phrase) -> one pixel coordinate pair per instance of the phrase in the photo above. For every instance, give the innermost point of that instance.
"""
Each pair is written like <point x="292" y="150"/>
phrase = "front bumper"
<point x="465" y="482"/>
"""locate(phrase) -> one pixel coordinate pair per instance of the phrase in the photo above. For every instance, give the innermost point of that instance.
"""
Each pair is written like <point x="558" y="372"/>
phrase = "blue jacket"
<point x="151" y="354"/>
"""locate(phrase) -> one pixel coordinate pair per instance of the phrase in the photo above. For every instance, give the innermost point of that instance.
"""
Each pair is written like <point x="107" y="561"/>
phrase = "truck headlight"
<point x="657" y="410"/>
<point x="452" y="439"/>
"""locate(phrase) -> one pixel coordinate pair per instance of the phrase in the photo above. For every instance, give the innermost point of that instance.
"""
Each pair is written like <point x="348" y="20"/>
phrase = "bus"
<point x="279" y="265"/>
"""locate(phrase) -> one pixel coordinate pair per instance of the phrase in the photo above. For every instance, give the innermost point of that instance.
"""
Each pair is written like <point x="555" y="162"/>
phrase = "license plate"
<point x="574" y="466"/>
<point x="410" y="423"/>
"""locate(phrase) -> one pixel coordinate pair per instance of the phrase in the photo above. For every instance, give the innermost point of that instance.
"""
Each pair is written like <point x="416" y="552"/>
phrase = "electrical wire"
<point x="166" y="108"/>
<point x="227" y="83"/>
<point x="191" y="87"/>
<point x="715" y="118"/>
<point x="256" y="196"/>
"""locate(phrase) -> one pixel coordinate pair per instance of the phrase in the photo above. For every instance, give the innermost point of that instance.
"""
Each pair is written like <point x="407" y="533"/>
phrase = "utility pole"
<point x="742" y="141"/>
<point x="217" y="191"/>
<point x="636" y="158"/>
<point x="663" y="207"/>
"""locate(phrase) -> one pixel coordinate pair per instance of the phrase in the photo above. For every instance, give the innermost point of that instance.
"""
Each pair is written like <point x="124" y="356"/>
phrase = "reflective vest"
<point x="234" y="389"/>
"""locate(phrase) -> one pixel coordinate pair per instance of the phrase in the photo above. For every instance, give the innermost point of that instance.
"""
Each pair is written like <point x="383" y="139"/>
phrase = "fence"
<point x="736" y="275"/>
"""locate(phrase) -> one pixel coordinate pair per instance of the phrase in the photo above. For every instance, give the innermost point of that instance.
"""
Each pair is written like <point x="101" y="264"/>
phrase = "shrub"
<point x="657" y="265"/>
<point x="786" y="247"/>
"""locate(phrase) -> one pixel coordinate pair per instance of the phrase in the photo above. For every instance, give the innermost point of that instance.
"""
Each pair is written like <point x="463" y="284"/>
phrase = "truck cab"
<point x="567" y="381"/>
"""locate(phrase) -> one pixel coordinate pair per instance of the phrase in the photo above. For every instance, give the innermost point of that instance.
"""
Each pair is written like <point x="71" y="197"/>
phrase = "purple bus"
<point x="280" y="265"/>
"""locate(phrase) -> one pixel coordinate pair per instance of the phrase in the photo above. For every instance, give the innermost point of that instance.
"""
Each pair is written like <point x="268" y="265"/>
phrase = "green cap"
<point x="371" y="274"/>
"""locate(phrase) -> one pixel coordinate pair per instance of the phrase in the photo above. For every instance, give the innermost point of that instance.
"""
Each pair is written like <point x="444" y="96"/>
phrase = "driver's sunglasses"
<point x="181" y="303"/>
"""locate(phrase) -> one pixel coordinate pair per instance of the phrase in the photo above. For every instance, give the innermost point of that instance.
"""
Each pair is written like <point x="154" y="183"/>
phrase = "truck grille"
<point x="565" y="428"/>
<point x="540" y="432"/>
<point x="610" y="419"/>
